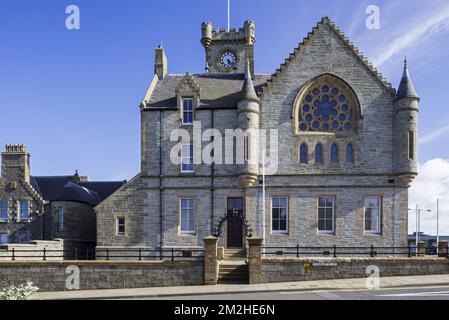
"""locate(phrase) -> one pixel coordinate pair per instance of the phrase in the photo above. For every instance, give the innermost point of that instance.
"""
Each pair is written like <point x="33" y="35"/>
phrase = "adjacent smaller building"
<point x="50" y="207"/>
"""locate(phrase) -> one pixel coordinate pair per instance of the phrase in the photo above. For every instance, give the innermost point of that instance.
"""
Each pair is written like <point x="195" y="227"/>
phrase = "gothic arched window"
<point x="303" y="153"/>
<point x="349" y="153"/>
<point x="318" y="153"/>
<point x="334" y="153"/>
<point x="327" y="104"/>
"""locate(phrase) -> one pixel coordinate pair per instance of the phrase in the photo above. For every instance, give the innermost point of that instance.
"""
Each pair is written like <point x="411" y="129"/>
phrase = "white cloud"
<point x="434" y="135"/>
<point x="431" y="184"/>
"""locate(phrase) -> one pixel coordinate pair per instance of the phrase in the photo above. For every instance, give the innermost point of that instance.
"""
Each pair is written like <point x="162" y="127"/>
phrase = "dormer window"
<point x="187" y="111"/>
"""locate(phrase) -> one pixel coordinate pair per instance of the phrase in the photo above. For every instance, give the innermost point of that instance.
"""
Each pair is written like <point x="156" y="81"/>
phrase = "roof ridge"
<point x="327" y="21"/>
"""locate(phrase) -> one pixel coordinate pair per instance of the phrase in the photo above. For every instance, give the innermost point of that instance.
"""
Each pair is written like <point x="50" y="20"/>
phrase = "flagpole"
<point x="229" y="15"/>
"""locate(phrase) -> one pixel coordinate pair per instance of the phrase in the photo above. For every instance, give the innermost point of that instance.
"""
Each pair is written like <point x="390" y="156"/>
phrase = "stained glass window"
<point x="303" y="153"/>
<point x="318" y="153"/>
<point x="349" y="153"/>
<point x="325" y="108"/>
<point x="334" y="153"/>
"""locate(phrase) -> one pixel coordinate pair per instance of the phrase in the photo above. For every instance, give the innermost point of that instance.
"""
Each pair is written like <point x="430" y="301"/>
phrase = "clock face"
<point x="228" y="60"/>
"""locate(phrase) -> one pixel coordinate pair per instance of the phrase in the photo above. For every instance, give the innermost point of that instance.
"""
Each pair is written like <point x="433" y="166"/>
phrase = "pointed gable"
<point x="298" y="51"/>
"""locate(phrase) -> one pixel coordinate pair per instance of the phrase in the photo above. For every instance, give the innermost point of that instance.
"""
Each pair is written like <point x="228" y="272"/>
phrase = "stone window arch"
<point x="326" y="105"/>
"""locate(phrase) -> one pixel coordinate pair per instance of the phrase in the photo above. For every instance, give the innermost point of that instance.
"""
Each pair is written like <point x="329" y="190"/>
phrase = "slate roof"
<point x="406" y="88"/>
<point x="69" y="188"/>
<point x="217" y="90"/>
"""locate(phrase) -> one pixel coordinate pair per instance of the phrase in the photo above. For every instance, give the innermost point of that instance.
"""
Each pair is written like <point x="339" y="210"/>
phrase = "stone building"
<point x="346" y="150"/>
<point x="47" y="208"/>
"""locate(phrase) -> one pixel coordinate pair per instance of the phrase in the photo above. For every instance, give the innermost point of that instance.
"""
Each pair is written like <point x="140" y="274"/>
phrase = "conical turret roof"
<point x="406" y="88"/>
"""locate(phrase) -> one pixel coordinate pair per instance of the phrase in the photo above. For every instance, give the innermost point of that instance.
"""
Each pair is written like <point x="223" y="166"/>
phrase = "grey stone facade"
<point x="59" y="207"/>
<point x="383" y="163"/>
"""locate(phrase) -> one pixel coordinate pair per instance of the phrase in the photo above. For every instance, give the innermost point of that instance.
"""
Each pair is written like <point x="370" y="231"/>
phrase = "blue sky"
<point x="72" y="96"/>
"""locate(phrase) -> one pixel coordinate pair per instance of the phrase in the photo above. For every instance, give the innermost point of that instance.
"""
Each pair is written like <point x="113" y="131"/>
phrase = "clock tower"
<point x="228" y="51"/>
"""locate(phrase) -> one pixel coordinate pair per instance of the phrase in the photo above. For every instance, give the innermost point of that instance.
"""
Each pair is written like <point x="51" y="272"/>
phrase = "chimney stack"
<point x="16" y="163"/>
<point x="160" y="62"/>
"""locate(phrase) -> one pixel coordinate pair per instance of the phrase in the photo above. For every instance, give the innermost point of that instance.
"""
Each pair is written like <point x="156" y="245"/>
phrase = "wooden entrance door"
<point x="234" y="225"/>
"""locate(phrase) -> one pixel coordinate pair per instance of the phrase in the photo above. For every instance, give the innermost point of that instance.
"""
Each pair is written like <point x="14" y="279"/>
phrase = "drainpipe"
<point x="161" y="187"/>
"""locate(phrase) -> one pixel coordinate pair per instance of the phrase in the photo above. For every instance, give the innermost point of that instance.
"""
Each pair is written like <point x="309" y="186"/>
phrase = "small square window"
<point x="4" y="238"/>
<point x="121" y="226"/>
<point x="24" y="210"/>
<point x="4" y="211"/>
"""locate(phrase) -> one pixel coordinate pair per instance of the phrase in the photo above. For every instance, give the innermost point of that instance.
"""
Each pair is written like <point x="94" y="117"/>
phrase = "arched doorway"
<point x="236" y="224"/>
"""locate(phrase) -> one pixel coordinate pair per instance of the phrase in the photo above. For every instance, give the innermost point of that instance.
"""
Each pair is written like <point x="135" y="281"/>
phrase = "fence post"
<point x="76" y="253"/>
<point x="140" y="254"/>
<point x="335" y="251"/>
<point x="13" y="254"/>
<point x="372" y="251"/>
<point x="442" y="248"/>
<point x="172" y="254"/>
<point x="422" y="248"/>
<point x="297" y="250"/>
<point x="255" y="259"/>
<point x="409" y="250"/>
<point x="107" y="253"/>
<point x="45" y="254"/>
<point x="210" y="260"/>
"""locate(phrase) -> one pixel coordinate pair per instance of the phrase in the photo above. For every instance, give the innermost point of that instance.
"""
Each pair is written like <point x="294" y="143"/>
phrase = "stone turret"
<point x="406" y="128"/>
<point x="160" y="62"/>
<point x="16" y="163"/>
<point x="248" y="119"/>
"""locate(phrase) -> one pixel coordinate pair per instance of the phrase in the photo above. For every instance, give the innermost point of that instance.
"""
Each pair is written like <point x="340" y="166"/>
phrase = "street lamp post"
<point x="418" y="224"/>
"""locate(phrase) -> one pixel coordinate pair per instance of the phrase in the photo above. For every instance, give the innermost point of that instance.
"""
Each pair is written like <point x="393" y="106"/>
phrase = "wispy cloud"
<point x="425" y="27"/>
<point x="434" y="135"/>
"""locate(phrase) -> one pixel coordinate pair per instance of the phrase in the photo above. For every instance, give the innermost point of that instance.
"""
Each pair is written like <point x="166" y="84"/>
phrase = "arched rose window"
<point x="327" y="104"/>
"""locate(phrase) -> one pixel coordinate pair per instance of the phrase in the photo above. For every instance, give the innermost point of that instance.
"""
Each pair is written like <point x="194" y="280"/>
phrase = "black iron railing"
<point x="340" y="251"/>
<point x="135" y="254"/>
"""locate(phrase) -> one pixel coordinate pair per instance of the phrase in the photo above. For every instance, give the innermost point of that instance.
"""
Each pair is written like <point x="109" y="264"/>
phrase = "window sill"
<point x="187" y="233"/>
<point x="279" y="234"/>
<point x="373" y="233"/>
<point x="325" y="233"/>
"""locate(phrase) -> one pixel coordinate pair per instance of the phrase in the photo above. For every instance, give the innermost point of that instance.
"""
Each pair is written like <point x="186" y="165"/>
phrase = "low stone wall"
<point x="33" y="250"/>
<point x="52" y="276"/>
<point x="301" y="269"/>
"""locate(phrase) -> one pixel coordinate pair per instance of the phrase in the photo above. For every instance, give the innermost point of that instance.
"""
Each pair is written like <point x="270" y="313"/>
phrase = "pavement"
<point x="428" y="281"/>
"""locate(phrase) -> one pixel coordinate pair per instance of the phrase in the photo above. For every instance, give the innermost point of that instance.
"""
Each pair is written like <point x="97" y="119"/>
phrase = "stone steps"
<point x="233" y="268"/>
<point x="233" y="273"/>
